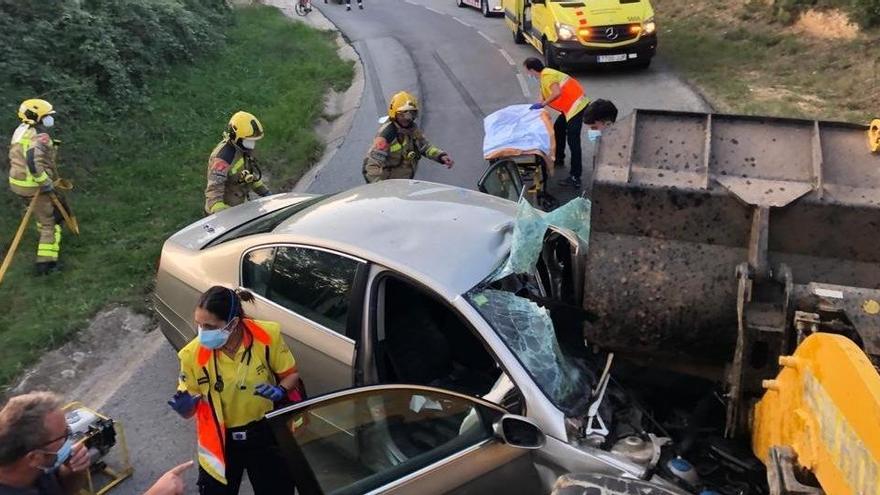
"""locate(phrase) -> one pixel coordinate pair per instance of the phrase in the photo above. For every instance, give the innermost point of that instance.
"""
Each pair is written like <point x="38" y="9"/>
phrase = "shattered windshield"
<point x="554" y="360"/>
<point x="528" y="332"/>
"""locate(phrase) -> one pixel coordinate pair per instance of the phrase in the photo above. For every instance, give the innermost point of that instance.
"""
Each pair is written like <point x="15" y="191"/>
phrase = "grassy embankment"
<point x="141" y="176"/>
<point x="751" y="57"/>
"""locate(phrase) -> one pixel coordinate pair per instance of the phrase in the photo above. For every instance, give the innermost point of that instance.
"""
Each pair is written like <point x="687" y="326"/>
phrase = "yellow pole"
<point x="70" y="220"/>
<point x="9" y="254"/>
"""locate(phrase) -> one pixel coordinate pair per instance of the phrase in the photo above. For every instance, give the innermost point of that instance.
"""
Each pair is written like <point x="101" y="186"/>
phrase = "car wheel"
<point x="484" y="8"/>
<point x="460" y="3"/>
<point x="518" y="36"/>
<point x="550" y="55"/>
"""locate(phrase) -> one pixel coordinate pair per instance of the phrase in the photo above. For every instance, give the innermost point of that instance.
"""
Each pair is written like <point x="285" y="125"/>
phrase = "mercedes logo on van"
<point x="611" y="34"/>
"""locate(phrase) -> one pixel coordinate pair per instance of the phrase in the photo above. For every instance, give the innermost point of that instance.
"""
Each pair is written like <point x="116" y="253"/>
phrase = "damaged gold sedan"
<point x="475" y="303"/>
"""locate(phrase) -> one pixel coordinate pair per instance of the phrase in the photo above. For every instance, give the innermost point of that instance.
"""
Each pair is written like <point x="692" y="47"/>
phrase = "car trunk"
<point x="180" y="279"/>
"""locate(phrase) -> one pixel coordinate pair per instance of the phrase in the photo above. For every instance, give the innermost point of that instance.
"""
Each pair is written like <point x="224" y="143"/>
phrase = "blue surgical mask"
<point x="593" y="135"/>
<point x="214" y="339"/>
<point x="61" y="456"/>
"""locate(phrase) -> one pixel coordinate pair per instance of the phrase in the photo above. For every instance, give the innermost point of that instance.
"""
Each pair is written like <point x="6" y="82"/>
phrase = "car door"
<point x="339" y="444"/>
<point x="501" y="179"/>
<point x="317" y="296"/>
<point x="542" y="18"/>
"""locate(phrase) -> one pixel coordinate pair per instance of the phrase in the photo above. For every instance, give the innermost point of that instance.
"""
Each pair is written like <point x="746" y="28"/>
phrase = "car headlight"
<point x="565" y="32"/>
<point x="649" y="26"/>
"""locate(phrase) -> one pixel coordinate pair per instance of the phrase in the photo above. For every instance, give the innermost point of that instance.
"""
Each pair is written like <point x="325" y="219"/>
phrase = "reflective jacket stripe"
<point x="29" y="180"/>
<point x="211" y="437"/>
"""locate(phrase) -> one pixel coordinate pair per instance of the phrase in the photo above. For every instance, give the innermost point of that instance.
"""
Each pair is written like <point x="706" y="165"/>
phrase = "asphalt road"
<point x="463" y="67"/>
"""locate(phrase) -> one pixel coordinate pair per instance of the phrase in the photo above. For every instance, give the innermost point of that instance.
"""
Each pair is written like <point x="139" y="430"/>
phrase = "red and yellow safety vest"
<point x="571" y="98"/>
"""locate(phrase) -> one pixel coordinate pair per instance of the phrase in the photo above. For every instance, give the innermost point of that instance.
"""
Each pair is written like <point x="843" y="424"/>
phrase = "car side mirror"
<point x="519" y="432"/>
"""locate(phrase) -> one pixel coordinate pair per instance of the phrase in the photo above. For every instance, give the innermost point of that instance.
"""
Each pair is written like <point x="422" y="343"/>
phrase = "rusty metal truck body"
<point x="711" y="232"/>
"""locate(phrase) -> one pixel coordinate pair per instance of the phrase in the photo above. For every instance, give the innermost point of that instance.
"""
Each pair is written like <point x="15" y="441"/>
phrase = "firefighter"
<point x="399" y="144"/>
<point x="564" y="94"/>
<point x="234" y="372"/>
<point x="32" y="169"/>
<point x="232" y="168"/>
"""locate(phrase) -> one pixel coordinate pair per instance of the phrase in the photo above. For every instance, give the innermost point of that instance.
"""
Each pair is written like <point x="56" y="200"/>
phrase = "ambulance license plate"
<point x="612" y="58"/>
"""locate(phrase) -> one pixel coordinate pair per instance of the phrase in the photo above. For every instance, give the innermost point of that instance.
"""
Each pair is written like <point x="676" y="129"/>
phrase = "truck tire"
<point x="549" y="55"/>
<point x="518" y="36"/>
<point x="460" y="4"/>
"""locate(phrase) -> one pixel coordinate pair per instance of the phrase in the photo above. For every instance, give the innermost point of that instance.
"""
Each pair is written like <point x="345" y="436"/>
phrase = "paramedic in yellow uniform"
<point x="564" y="94"/>
<point x="231" y="375"/>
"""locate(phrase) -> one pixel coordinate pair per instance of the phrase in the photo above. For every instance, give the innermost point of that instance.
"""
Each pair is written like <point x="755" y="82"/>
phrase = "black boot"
<point x="46" y="268"/>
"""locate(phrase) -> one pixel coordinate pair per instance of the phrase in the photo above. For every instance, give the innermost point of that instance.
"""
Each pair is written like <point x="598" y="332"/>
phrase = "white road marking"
<point x="523" y="85"/>
<point x="506" y="56"/>
<point x="410" y="2"/>
<point x="462" y="22"/>
<point x="434" y="10"/>
<point x="486" y="37"/>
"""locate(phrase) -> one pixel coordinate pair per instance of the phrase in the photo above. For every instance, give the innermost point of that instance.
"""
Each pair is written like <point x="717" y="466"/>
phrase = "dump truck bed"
<point x="682" y="200"/>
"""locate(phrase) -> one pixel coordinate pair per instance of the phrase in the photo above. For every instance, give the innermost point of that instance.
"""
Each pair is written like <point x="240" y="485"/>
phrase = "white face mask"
<point x="48" y="121"/>
<point x="249" y="143"/>
<point x="593" y="135"/>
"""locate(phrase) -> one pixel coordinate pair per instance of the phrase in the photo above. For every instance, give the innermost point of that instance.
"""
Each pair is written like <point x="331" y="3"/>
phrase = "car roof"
<point x="448" y="237"/>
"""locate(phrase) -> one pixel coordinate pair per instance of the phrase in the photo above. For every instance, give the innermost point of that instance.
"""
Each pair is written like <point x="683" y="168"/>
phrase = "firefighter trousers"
<point x="48" y="224"/>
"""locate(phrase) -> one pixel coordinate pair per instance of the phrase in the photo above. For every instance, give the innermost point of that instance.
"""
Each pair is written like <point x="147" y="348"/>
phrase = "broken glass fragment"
<point x="531" y="225"/>
<point x="574" y="216"/>
<point x="527" y="242"/>
<point x="528" y="332"/>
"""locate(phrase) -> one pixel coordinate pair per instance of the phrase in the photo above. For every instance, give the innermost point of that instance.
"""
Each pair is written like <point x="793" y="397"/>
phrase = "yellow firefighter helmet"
<point x="33" y="110"/>
<point x="244" y="125"/>
<point x="402" y="102"/>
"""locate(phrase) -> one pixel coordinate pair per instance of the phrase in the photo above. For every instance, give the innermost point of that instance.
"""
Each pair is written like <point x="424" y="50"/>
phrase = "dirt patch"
<point x="826" y="25"/>
<point x="90" y="366"/>
<point x="807" y="103"/>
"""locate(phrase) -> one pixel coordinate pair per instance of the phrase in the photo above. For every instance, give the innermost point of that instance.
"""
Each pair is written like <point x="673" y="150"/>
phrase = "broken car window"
<point x="528" y="332"/>
<point x="530" y="227"/>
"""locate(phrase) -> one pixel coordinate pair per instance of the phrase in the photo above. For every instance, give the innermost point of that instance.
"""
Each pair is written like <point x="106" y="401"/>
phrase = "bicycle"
<point x="303" y="7"/>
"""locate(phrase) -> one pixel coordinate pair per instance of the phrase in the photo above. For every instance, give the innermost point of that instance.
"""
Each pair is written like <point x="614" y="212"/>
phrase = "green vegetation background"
<point x="749" y="56"/>
<point x="143" y="89"/>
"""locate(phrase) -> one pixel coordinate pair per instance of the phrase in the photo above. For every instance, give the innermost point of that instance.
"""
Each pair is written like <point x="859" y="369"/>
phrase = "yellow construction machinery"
<point x="818" y="424"/>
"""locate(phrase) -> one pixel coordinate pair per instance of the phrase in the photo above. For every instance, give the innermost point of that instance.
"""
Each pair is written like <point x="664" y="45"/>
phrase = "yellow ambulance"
<point x="575" y="32"/>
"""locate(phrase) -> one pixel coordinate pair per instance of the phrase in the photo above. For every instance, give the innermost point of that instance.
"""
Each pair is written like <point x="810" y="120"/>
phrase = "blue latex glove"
<point x="271" y="392"/>
<point x="184" y="404"/>
<point x="536" y="106"/>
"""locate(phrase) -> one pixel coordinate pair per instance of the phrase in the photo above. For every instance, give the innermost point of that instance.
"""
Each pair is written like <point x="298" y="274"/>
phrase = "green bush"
<point x="94" y="56"/>
<point x="787" y="11"/>
<point x="866" y="12"/>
